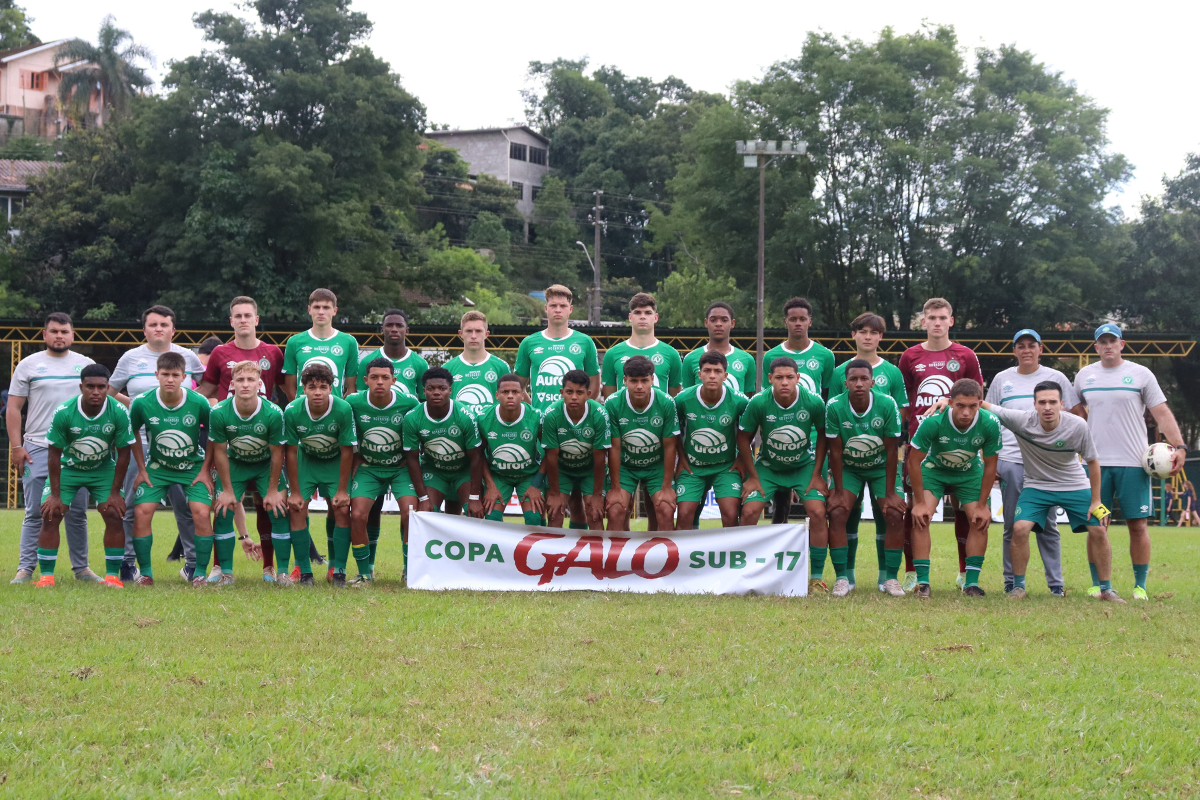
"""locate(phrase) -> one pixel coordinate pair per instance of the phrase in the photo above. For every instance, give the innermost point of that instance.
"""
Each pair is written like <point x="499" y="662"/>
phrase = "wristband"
<point x="423" y="497"/>
<point x="472" y="497"/>
<point x="539" y="480"/>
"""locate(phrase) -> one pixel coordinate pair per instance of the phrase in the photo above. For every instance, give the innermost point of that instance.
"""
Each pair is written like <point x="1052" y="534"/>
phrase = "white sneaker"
<point x="224" y="580"/>
<point x="87" y="576"/>
<point x="841" y="588"/>
<point x="961" y="580"/>
<point x="215" y="575"/>
<point x="892" y="587"/>
<point x="910" y="581"/>
<point x="22" y="576"/>
<point x="283" y="580"/>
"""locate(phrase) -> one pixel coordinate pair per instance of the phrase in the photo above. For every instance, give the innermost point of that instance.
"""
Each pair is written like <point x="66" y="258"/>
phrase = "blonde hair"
<point x="473" y="316"/>
<point x="937" y="302"/>
<point x="245" y="366"/>
<point x="558" y="290"/>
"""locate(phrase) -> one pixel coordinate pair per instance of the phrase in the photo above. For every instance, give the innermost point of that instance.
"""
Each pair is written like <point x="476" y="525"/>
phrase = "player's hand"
<point x="491" y="496"/>
<point x="1092" y="511"/>
<point x="340" y="499"/>
<point x="53" y="510"/>
<point x="980" y="516"/>
<point x="750" y="487"/>
<point x="251" y="548"/>
<point x="20" y="456"/>
<point x="593" y="507"/>
<point x="556" y="502"/>
<point x="276" y="503"/>
<point x="894" y="502"/>
<point x="537" y="502"/>
<point x="475" y="509"/>
<point x="617" y="497"/>
<point x="840" y="498"/>
<point x="425" y="505"/>
<point x="922" y="514"/>
<point x="818" y="485"/>
<point x="665" y="501"/>
<point x="138" y="479"/>
<point x="205" y="480"/>
<point x="1178" y="459"/>
<point x="936" y="407"/>
<point x="225" y="503"/>
<point x="295" y="502"/>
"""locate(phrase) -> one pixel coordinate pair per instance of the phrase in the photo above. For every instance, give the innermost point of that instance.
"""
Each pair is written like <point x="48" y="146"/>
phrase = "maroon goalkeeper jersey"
<point x="929" y="374"/>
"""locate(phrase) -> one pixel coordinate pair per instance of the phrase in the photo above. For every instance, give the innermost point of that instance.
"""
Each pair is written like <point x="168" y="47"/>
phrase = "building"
<point x="14" y="185"/>
<point x="29" y="104"/>
<point x="517" y="155"/>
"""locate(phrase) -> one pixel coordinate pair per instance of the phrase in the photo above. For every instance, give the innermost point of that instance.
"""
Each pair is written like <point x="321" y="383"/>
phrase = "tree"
<point x="110" y="64"/>
<point x="14" y="26"/>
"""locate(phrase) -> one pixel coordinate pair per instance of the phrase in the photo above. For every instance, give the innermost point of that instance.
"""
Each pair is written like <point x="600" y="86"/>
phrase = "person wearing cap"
<point x="1114" y="395"/>
<point x="1013" y="389"/>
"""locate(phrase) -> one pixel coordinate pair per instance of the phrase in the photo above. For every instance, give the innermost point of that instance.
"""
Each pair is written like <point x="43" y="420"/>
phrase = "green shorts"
<point x="446" y="483"/>
<point x="250" y="477"/>
<point x="650" y="477"/>
<point x="319" y="475"/>
<point x="164" y="478"/>
<point x="1129" y="489"/>
<point x="585" y="482"/>
<point x="1035" y="504"/>
<point x="853" y="482"/>
<point x="965" y="486"/>
<point x="773" y="481"/>
<point x="372" y="482"/>
<point x="98" y="483"/>
<point x="507" y="484"/>
<point x="692" y="487"/>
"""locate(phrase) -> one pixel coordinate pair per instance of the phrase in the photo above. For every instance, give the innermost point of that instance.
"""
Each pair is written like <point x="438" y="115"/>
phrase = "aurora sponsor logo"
<point x="708" y="441"/>
<point x="552" y="370"/>
<point x="640" y="442"/>
<point x="788" y="438"/>
<point x="441" y="448"/>
<point x="174" y="444"/>
<point x="511" y="456"/>
<point x="932" y="389"/>
<point x="956" y="459"/>
<point x="247" y="446"/>
<point x="319" y="442"/>
<point x="864" y="446"/>
<point x="89" y="448"/>
<point x="380" y="440"/>
<point x="575" y="448"/>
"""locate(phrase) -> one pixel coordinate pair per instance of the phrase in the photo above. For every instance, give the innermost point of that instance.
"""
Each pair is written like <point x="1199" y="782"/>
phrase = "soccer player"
<point x="246" y="439"/>
<point x="645" y="437"/>
<point x="708" y="417"/>
<point x="814" y="361"/>
<point x="668" y="368"/>
<point x="441" y="446"/>
<point x="322" y="343"/>
<point x="380" y="465"/>
<point x="512" y="453"/>
<point x="408" y="363"/>
<point x="321" y="437"/>
<point x="172" y="417"/>
<point x="545" y="357"/>
<point x="1013" y="389"/>
<point x="44" y="381"/>
<point x="475" y="370"/>
<point x="929" y="370"/>
<point x="943" y="458"/>
<point x="1115" y="395"/>
<point x="88" y="448"/>
<point x="576" y="437"/>
<point x="863" y="429"/>
<point x="718" y="319"/>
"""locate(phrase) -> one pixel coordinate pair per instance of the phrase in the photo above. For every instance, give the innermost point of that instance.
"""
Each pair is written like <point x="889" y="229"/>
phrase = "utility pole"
<point x="594" y="314"/>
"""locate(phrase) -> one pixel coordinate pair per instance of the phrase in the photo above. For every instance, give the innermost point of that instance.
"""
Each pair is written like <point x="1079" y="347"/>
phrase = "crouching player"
<point x="89" y="440"/>
<point x="319" y="428"/>
<point x="863" y="431"/>
<point x="173" y="417"/>
<point x="441" y="447"/>
<point x="245" y="432"/>
<point x="576" y="437"/>
<point x="380" y="465"/>
<point x="645" y="432"/>
<point x="943" y="458"/>
<point x="512" y="452"/>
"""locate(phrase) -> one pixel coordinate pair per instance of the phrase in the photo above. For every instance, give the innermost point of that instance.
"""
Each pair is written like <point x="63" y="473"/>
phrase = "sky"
<point x="466" y="61"/>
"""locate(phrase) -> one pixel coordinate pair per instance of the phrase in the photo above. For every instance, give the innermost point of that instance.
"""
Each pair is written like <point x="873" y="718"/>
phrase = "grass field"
<point x="248" y="691"/>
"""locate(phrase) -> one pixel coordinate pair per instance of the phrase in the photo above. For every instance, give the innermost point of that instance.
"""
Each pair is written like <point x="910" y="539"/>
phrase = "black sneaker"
<point x="129" y="572"/>
<point x="1058" y="591"/>
<point x="307" y="579"/>
<point x="1008" y="586"/>
<point x="339" y="580"/>
<point x="923" y="591"/>
<point x="974" y="591"/>
<point x="176" y="551"/>
<point x="187" y="573"/>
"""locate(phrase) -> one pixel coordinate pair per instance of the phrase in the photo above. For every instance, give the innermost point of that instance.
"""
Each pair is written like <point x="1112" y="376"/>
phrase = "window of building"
<point x="516" y="151"/>
<point x="534" y="192"/>
<point x="537" y="155"/>
<point x="520" y="187"/>
<point x="33" y="80"/>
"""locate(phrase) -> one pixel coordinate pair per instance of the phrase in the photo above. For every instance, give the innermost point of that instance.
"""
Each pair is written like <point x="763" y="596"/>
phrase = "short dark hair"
<point x="718" y="304"/>
<point x="643" y="300"/>
<point x="316" y="371"/>
<point x="712" y="357"/>
<point x="379" y="362"/>
<point x="243" y="300"/>
<point x="1048" y="386"/>
<point x="437" y="373"/>
<point x="868" y="321"/>
<point x="510" y="377"/>
<point x="797" y="302"/>
<point x="162" y="311"/>
<point x="393" y="312"/>
<point x="61" y="317"/>
<point x="967" y="387"/>
<point x="208" y="345"/>
<point x="782" y="361"/>
<point x="859" y="363"/>
<point x="322" y="294"/>
<point x="577" y="377"/>
<point x="172" y="360"/>
<point x="638" y="367"/>
<point x="94" y="371"/>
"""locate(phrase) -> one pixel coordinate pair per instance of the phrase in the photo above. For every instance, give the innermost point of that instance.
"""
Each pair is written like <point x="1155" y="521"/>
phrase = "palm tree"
<point x="105" y="66"/>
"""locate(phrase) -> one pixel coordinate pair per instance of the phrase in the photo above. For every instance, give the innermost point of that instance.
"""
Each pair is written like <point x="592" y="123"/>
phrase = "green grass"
<point x="249" y="691"/>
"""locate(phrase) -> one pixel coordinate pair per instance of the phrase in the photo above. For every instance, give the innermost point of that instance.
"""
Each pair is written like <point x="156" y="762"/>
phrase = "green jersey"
<point x="475" y="384"/>
<point x="788" y="434"/>
<point x="946" y="447"/>
<point x="380" y="441"/>
<point x="814" y="363"/>
<point x="710" y="432"/>
<point x="544" y="361"/>
<point x="174" y="433"/>
<point x="668" y="366"/>
<point x="321" y="438"/>
<point x="247" y="440"/>
<point x="89" y="442"/>
<point x="409" y="370"/>
<point x="741" y="370"/>
<point x="339" y="352"/>
<point x="887" y="380"/>
<point x="642" y="432"/>
<point x="512" y="449"/>
<point x="863" y="434"/>
<point x="444" y="442"/>
<point x="576" y="441"/>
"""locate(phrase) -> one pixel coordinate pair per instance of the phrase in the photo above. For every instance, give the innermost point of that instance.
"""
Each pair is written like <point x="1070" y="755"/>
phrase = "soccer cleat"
<point x="923" y="591"/>
<point x="87" y="576"/>
<point x="961" y="580"/>
<point x="817" y="585"/>
<point x="892" y="586"/>
<point x="1058" y="591"/>
<point x="339" y="580"/>
<point x="176" y="551"/>
<point x="850" y="578"/>
<point x="319" y="559"/>
<point x="1094" y="591"/>
<point x="129" y="572"/>
<point x="295" y="574"/>
<point x="329" y="576"/>
<point x="268" y="575"/>
<point x="841" y="588"/>
<point x="360" y="582"/>
<point x="910" y="581"/>
<point x="113" y="581"/>
<point x="225" y="580"/>
<point x="45" y="580"/>
<point x="215" y="575"/>
<point x="1018" y="593"/>
<point x="187" y="573"/>
<point x="22" y="576"/>
<point x="1140" y="594"/>
<point x="974" y="591"/>
<point x="199" y="582"/>
<point x="307" y="580"/>
<point x="1008" y="586"/>
<point x="284" y="581"/>
<point x="1110" y="596"/>
<point x="144" y="580"/>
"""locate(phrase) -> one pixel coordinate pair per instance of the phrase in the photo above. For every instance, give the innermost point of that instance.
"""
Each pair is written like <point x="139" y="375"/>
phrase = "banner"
<point x="451" y="552"/>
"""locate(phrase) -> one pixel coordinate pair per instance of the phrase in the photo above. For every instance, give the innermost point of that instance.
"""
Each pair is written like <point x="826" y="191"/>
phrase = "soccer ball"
<point x="1157" y="461"/>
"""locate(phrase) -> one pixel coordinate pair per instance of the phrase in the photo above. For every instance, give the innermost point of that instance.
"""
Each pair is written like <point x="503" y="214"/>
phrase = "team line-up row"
<point x="470" y="434"/>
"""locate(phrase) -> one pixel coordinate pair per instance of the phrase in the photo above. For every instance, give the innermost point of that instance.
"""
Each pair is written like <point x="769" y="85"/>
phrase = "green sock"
<point x="1106" y="586"/>
<point x="816" y="560"/>
<point x="974" y="567"/>
<point x="404" y="551"/>
<point x="47" y="556"/>
<point x="496" y="516"/>
<point x="224" y="545"/>
<point x="329" y="528"/>
<point x="113" y="557"/>
<point x="1018" y="581"/>
<point x="341" y="549"/>
<point x="373" y="542"/>
<point x="851" y="551"/>
<point x="204" y="550"/>
<point x="281" y="544"/>
<point x="1095" y="574"/>
<point x="838" y="556"/>
<point x="1140" y="571"/>
<point x="531" y="517"/>
<point x="301" y="540"/>
<point x="881" y="554"/>
<point x="922" y="565"/>
<point x="578" y="526"/>
<point x="142" y="546"/>
<point x="892" y="558"/>
<point x="362" y="557"/>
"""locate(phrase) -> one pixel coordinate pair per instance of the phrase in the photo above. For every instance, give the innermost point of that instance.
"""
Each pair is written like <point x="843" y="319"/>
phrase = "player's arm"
<point x="666" y="495"/>
<point x="594" y="386"/>
<point x="1169" y="428"/>
<point x="12" y="420"/>
<point x="594" y="502"/>
<point x="139" y="460"/>
<point x="1094" y="480"/>
<point x="921" y="513"/>
<point x="413" y="461"/>
<point x="114" y="392"/>
<point x="205" y="475"/>
<point x="983" y="513"/>
<point x="341" y="499"/>
<point x="818" y="480"/>
<point x="491" y="493"/>
<point x="54" y="508"/>
<point x="291" y="453"/>
<point x="474" y="506"/>
<point x="225" y="501"/>
<point x="555" y="502"/>
<point x="608" y="371"/>
<point x="288" y="387"/>
<point x="745" y="446"/>
<point x="838" y="496"/>
<point x="207" y="388"/>
<point x="116" y="501"/>
<point x="616" y="495"/>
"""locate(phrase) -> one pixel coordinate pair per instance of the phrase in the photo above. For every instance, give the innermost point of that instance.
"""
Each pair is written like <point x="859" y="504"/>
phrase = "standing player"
<point x="1013" y="390"/>
<point x="576" y="438"/>
<point x="929" y="370"/>
<point x="321" y="437"/>
<point x="545" y="357"/>
<point x="708" y="417"/>
<point x="322" y="343"/>
<point x="441" y="447"/>
<point x="645" y="437"/>
<point x="408" y="363"/>
<point x="668" y="368"/>
<point x="814" y="361"/>
<point x="512" y="453"/>
<point x="863" y="428"/>
<point x="943" y="458"/>
<point x="173" y="418"/>
<point x="475" y="370"/>
<point x="718" y="319"/>
<point x="88" y="449"/>
<point x="1116" y="395"/>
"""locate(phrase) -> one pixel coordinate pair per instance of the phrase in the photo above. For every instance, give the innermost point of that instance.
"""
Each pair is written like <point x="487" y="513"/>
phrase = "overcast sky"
<point x="466" y="60"/>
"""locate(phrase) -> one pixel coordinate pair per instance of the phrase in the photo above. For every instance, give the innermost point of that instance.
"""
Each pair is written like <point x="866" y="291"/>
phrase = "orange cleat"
<point x="45" y="580"/>
<point x="113" y="581"/>
<point x="329" y="576"/>
<point x="295" y="573"/>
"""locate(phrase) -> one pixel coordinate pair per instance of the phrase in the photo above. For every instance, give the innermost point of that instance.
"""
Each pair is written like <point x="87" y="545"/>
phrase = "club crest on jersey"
<point x="397" y="420"/>
<point x="656" y="421"/>
<point x="881" y="380"/>
<point x="264" y="363"/>
<point x="657" y="358"/>
<point x="108" y="428"/>
<point x="409" y="373"/>
<point x="1060" y="443"/>
<point x="337" y="350"/>
<point x="953" y="365"/>
<point x="977" y="441"/>
<point x="725" y="419"/>
<point x="814" y="364"/>
<point x="738" y="366"/>
<point x="575" y="349"/>
<point x="876" y="423"/>
<point x="454" y="430"/>
<point x="1128" y="379"/>
<point x="189" y="420"/>
<point x="259" y="428"/>
<point x="802" y="415"/>
<point x="491" y="376"/>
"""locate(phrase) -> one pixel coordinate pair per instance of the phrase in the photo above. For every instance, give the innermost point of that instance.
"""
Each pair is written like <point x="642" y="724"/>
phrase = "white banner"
<point x="450" y="552"/>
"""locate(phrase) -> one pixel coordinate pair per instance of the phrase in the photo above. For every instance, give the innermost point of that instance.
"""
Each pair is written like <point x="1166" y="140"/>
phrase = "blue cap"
<point x="1027" y="332"/>
<point x="1108" y="327"/>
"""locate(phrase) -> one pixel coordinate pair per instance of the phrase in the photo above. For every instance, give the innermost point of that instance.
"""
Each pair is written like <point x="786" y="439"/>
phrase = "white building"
<point x="517" y="155"/>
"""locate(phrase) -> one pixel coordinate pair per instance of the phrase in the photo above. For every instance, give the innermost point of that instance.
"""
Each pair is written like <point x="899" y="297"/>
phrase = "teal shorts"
<point x="854" y="482"/>
<point x="965" y="486"/>
<point x="372" y="482"/>
<point x="773" y="481"/>
<point x="634" y="477"/>
<point x="98" y="483"/>
<point x="1035" y="504"/>
<point x="585" y="482"/>
<point x="319" y="475"/>
<point x="164" y="478"/>
<point x="508" y="484"/>
<point x="692" y="487"/>
<point x="446" y="484"/>
<point x="250" y="477"/>
<point x="1127" y="488"/>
